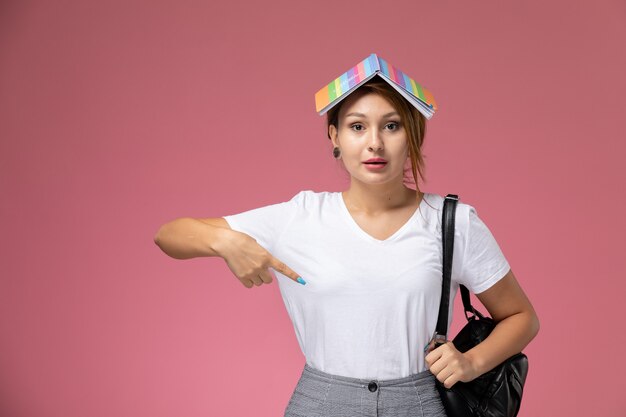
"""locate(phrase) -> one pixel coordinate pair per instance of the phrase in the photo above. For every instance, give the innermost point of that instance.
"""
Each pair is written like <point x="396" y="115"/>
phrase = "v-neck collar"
<point x="355" y="226"/>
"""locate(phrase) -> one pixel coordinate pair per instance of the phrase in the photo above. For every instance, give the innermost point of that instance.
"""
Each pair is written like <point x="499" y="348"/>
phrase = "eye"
<point x="356" y="125"/>
<point x="395" y="125"/>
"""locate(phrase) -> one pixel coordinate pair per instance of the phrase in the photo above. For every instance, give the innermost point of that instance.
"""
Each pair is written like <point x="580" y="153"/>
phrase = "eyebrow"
<point x="362" y="115"/>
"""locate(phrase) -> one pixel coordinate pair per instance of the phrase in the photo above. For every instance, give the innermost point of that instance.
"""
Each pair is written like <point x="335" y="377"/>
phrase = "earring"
<point x="336" y="152"/>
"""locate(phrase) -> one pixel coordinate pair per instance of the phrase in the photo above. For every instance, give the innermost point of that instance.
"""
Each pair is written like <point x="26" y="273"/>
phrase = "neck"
<point x="377" y="198"/>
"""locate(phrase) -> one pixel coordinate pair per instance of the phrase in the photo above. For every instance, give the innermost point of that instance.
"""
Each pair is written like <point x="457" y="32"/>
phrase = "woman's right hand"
<point x="250" y="261"/>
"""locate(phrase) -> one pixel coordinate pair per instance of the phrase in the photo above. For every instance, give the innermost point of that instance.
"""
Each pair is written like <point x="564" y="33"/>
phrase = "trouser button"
<point x="372" y="386"/>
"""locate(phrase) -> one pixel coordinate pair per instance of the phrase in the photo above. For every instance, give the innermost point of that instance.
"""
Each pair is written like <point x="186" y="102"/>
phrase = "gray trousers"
<point x="320" y="394"/>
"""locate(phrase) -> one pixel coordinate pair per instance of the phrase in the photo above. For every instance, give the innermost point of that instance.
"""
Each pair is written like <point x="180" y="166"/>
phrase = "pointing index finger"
<point x="281" y="267"/>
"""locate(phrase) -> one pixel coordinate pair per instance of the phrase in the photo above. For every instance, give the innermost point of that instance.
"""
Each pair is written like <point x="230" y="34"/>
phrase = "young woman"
<point x="364" y="300"/>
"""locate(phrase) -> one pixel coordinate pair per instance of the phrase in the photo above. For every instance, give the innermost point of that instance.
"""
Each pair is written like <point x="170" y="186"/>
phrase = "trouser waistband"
<point x="411" y="380"/>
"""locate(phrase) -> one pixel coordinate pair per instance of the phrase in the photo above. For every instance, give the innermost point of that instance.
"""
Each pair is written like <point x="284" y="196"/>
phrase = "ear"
<point x="332" y="132"/>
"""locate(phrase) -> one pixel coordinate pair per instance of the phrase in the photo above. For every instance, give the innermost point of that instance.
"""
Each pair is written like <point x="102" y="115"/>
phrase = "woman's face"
<point x="369" y="127"/>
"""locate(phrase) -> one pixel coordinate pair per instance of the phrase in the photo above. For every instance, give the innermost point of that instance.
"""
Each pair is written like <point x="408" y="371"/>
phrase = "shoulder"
<point x="435" y="201"/>
<point x="432" y="208"/>
<point x="310" y="199"/>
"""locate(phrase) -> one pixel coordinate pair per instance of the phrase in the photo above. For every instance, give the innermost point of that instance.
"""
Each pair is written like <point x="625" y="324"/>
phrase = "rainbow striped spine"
<point x="361" y="68"/>
<point x="364" y="69"/>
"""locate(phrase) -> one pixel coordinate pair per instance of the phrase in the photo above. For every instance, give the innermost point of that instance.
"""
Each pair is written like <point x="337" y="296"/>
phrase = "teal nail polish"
<point x="301" y="281"/>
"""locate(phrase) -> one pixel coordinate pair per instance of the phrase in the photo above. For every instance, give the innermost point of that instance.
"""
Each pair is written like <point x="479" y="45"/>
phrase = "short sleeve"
<point x="265" y="224"/>
<point x="483" y="264"/>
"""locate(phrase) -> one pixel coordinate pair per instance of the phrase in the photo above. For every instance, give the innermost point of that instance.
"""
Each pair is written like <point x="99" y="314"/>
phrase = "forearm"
<point x="509" y="337"/>
<point x="187" y="237"/>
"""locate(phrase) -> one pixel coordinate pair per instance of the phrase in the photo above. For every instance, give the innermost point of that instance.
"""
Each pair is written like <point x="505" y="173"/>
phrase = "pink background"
<point x="118" y="116"/>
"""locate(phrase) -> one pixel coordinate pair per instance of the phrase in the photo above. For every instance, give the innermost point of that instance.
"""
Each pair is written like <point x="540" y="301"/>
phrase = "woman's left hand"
<point x="451" y="366"/>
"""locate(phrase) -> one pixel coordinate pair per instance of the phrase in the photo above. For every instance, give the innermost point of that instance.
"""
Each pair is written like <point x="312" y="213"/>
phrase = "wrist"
<point x="476" y="361"/>
<point x="218" y="240"/>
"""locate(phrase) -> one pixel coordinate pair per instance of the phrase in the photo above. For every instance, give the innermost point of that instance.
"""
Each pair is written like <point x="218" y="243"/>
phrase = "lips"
<point x="378" y="161"/>
<point x="375" y="164"/>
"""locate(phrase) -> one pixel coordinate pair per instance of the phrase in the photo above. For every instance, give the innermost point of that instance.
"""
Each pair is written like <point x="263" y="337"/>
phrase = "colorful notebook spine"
<point x="346" y="81"/>
<point x="407" y="83"/>
<point x="364" y="70"/>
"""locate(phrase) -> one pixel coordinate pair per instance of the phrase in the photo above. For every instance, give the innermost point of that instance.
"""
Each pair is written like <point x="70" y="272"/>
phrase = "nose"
<point x="375" y="141"/>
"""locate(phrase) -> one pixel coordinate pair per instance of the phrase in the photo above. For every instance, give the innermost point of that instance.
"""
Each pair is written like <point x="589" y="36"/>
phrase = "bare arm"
<point x="517" y="324"/>
<point x="186" y="237"/>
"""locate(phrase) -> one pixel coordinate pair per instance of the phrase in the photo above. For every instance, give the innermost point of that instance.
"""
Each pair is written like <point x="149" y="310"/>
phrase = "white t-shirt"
<point x="369" y="306"/>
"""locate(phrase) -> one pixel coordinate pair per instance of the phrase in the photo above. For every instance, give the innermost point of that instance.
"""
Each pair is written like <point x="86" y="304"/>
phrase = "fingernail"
<point x="301" y="281"/>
